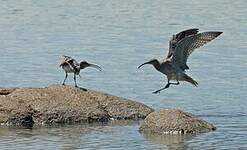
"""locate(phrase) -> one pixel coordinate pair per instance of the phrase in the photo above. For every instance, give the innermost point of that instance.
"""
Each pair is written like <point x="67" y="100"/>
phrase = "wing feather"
<point x="179" y="36"/>
<point x="73" y="64"/>
<point x="188" y="44"/>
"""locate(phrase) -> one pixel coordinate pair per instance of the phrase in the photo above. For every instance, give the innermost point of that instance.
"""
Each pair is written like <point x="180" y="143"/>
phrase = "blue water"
<point x="119" y="36"/>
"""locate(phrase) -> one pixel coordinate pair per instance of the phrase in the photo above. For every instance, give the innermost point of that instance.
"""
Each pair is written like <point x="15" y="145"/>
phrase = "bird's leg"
<point x="167" y="86"/>
<point x="66" y="75"/>
<point x="75" y="80"/>
<point x="175" y="83"/>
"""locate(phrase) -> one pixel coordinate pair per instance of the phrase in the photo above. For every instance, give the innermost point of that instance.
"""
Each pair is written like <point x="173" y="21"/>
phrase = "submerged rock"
<point x="59" y="104"/>
<point x="173" y="121"/>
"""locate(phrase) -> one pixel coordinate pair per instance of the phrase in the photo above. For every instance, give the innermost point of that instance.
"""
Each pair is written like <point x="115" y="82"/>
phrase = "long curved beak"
<point x="143" y="64"/>
<point x="95" y="66"/>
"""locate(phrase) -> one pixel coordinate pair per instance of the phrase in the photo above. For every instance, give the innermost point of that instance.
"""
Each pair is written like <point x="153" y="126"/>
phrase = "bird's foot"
<point x="83" y="89"/>
<point x="156" y="92"/>
<point x="63" y="84"/>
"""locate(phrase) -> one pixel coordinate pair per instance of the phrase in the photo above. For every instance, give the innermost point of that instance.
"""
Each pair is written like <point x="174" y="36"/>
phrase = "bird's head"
<point x="85" y="64"/>
<point x="153" y="62"/>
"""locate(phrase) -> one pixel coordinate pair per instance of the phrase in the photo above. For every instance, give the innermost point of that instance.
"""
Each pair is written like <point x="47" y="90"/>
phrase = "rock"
<point x="59" y="104"/>
<point x="173" y="121"/>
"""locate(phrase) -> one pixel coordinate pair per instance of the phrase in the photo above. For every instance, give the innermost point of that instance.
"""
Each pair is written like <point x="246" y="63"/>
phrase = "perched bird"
<point x="70" y="65"/>
<point x="181" y="46"/>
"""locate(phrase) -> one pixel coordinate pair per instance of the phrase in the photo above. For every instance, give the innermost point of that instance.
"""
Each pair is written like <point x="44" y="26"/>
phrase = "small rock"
<point x="173" y="121"/>
<point x="6" y="91"/>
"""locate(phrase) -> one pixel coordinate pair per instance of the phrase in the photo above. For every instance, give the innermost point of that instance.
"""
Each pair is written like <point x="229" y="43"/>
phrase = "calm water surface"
<point x="119" y="36"/>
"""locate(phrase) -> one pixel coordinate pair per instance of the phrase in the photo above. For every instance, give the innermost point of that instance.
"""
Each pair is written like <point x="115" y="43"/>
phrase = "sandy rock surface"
<point x="59" y="104"/>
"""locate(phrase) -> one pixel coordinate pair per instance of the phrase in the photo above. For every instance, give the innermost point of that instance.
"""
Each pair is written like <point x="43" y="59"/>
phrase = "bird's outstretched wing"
<point x="188" y="44"/>
<point x="178" y="37"/>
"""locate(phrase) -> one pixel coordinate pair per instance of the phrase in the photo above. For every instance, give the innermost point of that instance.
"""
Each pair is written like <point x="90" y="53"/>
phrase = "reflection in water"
<point x="69" y="136"/>
<point x="171" y="141"/>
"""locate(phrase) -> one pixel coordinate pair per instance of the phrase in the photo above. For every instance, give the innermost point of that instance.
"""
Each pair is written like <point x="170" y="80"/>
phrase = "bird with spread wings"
<point x="181" y="46"/>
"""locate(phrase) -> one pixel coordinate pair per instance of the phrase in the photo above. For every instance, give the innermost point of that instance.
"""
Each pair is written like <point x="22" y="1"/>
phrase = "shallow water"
<point x="119" y="36"/>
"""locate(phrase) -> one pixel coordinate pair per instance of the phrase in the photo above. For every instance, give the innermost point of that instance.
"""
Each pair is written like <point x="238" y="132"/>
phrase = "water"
<point x="119" y="36"/>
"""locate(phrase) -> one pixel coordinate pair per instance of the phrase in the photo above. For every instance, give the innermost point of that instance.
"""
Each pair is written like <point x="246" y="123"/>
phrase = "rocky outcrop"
<point x="173" y="121"/>
<point x="59" y="104"/>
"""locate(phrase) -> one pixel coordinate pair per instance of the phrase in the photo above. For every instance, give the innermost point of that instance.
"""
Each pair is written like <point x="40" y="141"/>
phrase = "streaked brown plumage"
<point x="181" y="46"/>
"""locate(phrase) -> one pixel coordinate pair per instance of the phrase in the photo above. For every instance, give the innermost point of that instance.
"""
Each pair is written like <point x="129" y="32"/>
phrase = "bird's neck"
<point x="156" y="65"/>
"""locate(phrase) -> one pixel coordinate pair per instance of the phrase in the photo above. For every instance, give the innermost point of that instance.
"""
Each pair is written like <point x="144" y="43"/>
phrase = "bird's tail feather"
<point x="190" y="80"/>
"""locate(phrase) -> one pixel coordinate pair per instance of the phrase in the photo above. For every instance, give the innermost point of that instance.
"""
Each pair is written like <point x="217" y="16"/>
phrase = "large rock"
<point x="59" y="104"/>
<point x="173" y="121"/>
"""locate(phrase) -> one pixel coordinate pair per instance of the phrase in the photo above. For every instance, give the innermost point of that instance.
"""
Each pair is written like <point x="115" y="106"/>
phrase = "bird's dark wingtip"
<point x="220" y="32"/>
<point x="217" y="33"/>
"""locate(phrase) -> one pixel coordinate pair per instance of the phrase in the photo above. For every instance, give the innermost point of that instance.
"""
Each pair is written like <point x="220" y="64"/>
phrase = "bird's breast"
<point x="167" y="69"/>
